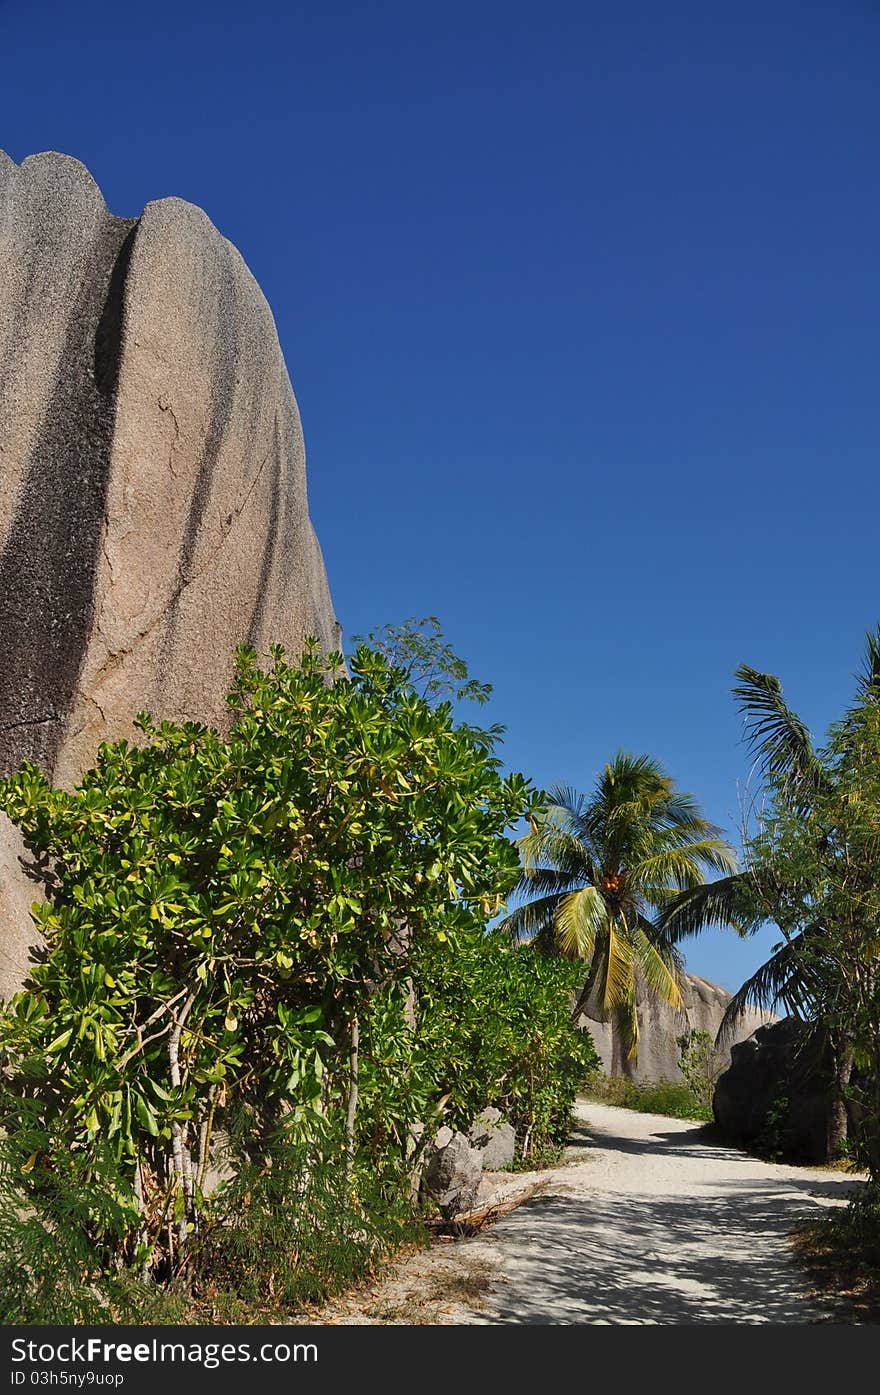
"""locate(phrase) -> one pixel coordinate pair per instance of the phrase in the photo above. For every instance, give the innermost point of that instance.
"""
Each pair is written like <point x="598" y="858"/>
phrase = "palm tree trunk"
<point x="837" y="1113"/>
<point x="621" y="1061"/>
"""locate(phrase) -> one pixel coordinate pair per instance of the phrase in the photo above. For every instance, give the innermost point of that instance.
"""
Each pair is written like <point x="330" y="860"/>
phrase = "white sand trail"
<point x="656" y="1225"/>
<point x="646" y="1223"/>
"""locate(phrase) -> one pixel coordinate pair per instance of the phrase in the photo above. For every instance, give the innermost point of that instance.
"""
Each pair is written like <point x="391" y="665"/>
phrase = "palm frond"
<point x="659" y="975"/>
<point x="614" y="979"/>
<point x="683" y="811"/>
<point x="580" y="918"/>
<point x="869" y="678"/>
<point x="546" y="846"/>
<point x="626" y="780"/>
<point x="776" y="735"/>
<point x="780" y="982"/>
<point x="529" y="920"/>
<point x="542" y="881"/>
<point x="663" y="943"/>
<point x="567" y="801"/>
<point x="626" y="1017"/>
<point x="729" y="901"/>
<point x="686" y="831"/>
<point x="680" y="867"/>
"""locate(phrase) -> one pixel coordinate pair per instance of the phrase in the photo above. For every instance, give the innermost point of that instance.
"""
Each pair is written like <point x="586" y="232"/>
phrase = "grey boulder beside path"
<point x="494" y="1137"/>
<point x="453" y="1172"/>
<point x="777" y="1092"/>
<point x="153" y="507"/>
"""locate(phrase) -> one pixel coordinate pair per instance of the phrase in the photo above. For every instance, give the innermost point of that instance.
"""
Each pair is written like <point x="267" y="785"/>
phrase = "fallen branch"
<point x="471" y="1222"/>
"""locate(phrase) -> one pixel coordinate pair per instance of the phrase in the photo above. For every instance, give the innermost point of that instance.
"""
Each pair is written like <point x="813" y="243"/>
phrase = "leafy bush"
<point x="774" y="1141"/>
<point x="274" y="939"/>
<point x="700" y="1065"/>
<point x="295" y="1228"/>
<point x="222" y="912"/>
<point x="514" y="1048"/>
<point x="50" y="1272"/>
<point x="841" y="1251"/>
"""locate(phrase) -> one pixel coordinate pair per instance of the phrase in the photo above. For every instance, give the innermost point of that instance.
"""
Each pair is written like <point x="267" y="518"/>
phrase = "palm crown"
<point x="789" y="765"/>
<point x="596" y="871"/>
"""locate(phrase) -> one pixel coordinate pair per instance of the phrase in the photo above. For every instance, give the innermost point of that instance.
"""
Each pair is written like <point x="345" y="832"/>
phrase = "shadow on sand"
<point x="716" y="1258"/>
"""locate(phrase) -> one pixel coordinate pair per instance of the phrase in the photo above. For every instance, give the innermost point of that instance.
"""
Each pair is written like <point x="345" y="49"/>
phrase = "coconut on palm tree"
<point x="596" y="873"/>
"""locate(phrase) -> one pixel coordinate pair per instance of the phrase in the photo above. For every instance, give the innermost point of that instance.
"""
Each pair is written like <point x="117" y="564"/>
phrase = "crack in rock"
<point x="31" y="722"/>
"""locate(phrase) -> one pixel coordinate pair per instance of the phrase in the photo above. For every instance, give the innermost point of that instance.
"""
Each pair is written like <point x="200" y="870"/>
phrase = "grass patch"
<point x="670" y="1097"/>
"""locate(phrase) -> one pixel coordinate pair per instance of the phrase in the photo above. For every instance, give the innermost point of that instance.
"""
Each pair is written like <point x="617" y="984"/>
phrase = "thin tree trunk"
<point x="142" y="1229"/>
<point x="837" y="1113"/>
<point x="351" y="1107"/>
<point x="205" y="1140"/>
<point x="180" y="1153"/>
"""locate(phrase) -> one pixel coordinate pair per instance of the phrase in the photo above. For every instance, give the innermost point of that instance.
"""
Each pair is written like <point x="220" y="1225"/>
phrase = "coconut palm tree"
<point x="804" y="977"/>
<point x="784" y="757"/>
<point x="596" y="870"/>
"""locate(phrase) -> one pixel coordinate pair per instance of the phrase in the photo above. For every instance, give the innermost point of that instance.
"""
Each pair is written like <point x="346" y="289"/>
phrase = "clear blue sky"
<point x="581" y="306"/>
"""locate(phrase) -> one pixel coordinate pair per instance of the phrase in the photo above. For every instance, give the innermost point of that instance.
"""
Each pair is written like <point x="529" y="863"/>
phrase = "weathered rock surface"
<point x="494" y="1137"/>
<point x="18" y="891"/>
<point x="451" y="1178"/>
<point x="660" y="1025"/>
<point x="776" y="1091"/>
<point x="153" y="509"/>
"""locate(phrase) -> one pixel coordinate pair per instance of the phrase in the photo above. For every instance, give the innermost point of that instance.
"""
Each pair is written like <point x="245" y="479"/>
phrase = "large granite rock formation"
<point x="153" y="507"/>
<point x="776" y="1094"/>
<point x="660" y="1025"/>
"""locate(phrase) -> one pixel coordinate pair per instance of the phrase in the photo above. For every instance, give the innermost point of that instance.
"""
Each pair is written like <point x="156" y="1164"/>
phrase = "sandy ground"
<point x="644" y="1223"/>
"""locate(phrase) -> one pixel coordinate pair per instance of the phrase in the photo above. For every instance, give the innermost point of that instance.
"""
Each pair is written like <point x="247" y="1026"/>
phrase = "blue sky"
<point x="581" y="306"/>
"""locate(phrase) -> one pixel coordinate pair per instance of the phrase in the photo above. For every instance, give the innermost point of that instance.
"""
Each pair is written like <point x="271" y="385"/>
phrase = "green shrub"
<point x="275" y="937"/>
<point x="700" y="1065"/>
<point x="515" y="1046"/>
<point x="51" y="1272"/>
<point x="774" y="1141"/>
<point x="855" y="1228"/>
<point x="223" y="911"/>
<point x="294" y="1228"/>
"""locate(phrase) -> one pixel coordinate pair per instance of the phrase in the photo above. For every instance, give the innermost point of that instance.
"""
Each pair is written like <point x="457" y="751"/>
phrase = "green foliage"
<point x="293" y="1229"/>
<point x="854" y="1230"/>
<point x="50" y="1273"/>
<point x="418" y="649"/>
<point x="826" y="901"/>
<point x="812" y="866"/>
<point x="840" y="1248"/>
<point x="515" y="1048"/>
<point x="221" y="910"/>
<point x="774" y="1140"/>
<point x="699" y="1064"/>
<point x="670" y="1097"/>
<point x="492" y="1026"/>
<point x="431" y="666"/>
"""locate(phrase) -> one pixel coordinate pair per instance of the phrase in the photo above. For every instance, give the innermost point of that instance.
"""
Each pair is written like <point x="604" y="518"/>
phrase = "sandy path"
<point x="646" y="1223"/>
